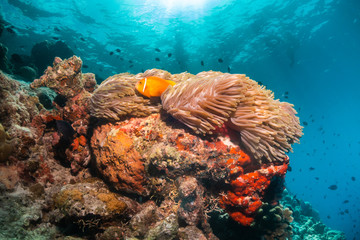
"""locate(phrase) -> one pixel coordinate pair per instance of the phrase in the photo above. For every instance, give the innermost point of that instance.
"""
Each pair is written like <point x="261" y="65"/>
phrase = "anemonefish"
<point x="153" y="86"/>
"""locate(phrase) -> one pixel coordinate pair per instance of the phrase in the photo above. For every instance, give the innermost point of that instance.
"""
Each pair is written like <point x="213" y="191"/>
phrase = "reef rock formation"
<point x="163" y="180"/>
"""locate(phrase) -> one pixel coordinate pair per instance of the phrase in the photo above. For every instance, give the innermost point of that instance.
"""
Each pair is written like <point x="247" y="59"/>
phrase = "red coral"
<point x="247" y="190"/>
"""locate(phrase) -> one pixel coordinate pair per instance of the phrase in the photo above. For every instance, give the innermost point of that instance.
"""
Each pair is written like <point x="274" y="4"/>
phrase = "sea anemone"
<point x="204" y="101"/>
<point x="267" y="127"/>
<point x="115" y="99"/>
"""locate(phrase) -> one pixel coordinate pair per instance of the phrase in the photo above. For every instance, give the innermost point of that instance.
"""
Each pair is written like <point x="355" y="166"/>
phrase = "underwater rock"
<point x="165" y="229"/>
<point x="18" y="107"/>
<point x="6" y="145"/>
<point x="141" y="222"/>
<point x="89" y="204"/>
<point x="9" y="177"/>
<point x="117" y="160"/>
<point x="27" y="73"/>
<point x="190" y="233"/>
<point x="137" y="154"/>
<point x="5" y="64"/>
<point x="191" y="194"/>
<point x="43" y="53"/>
<point x="21" y="216"/>
<point x="64" y="77"/>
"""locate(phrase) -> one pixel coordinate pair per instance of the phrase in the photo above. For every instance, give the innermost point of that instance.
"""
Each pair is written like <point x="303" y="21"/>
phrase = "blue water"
<point x="307" y="52"/>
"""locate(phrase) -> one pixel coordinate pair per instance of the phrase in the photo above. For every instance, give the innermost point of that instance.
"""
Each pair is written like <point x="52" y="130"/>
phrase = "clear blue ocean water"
<point x="307" y="52"/>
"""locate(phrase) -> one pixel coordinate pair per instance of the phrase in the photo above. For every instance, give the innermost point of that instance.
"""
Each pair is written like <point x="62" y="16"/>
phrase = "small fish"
<point x="289" y="168"/>
<point x="353" y="178"/>
<point x="118" y="50"/>
<point x="328" y="216"/>
<point x="153" y="86"/>
<point x="82" y="39"/>
<point x="131" y="66"/>
<point x="157" y="59"/>
<point x="311" y="168"/>
<point x="130" y="61"/>
<point x="65" y="130"/>
<point x="169" y="54"/>
<point x="333" y="187"/>
<point x="220" y="60"/>
<point x="85" y="66"/>
<point x="202" y="63"/>
<point x="158" y="50"/>
<point x="56" y="29"/>
<point x="305" y="123"/>
<point x="317" y="178"/>
<point x="55" y="38"/>
<point x="111" y="53"/>
<point x="229" y="69"/>
<point x="286" y="93"/>
<point x="346" y="201"/>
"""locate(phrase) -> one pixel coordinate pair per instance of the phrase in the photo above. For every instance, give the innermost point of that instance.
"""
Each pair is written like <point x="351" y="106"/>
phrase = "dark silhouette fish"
<point x="202" y="63"/>
<point x="118" y="50"/>
<point x="65" y="130"/>
<point x="353" y="178"/>
<point x="158" y="50"/>
<point x="220" y="60"/>
<point x="55" y="38"/>
<point x="82" y="39"/>
<point x="169" y="54"/>
<point x="333" y="187"/>
<point x="85" y="66"/>
<point x="157" y="59"/>
<point x="229" y="69"/>
<point x="305" y="123"/>
<point x="311" y="168"/>
<point x="111" y="53"/>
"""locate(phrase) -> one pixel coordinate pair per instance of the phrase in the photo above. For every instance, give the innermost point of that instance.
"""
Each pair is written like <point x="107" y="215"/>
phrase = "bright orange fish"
<point x="153" y="86"/>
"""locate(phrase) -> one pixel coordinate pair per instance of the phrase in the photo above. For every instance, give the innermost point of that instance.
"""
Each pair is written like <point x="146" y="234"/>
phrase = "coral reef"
<point x="306" y="221"/>
<point x="141" y="175"/>
<point x="248" y="189"/>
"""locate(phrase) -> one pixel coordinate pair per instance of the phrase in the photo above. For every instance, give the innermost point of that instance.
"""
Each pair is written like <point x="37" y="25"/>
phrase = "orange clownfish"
<point x="153" y="86"/>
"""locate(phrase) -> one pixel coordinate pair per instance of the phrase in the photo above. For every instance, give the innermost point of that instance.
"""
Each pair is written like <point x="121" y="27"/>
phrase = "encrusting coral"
<point x="267" y="127"/>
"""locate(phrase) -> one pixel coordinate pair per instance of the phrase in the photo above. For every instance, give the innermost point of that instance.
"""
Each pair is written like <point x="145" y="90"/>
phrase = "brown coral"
<point x="267" y="127"/>
<point x="115" y="98"/>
